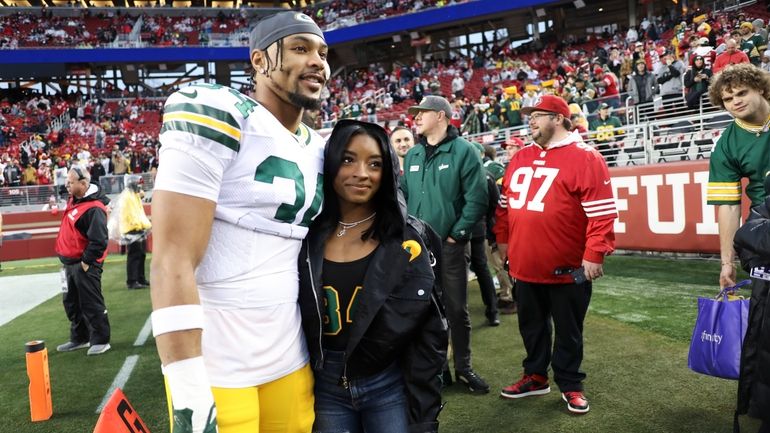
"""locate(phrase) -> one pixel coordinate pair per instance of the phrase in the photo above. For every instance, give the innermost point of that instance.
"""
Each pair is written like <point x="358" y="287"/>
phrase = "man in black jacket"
<point x="82" y="248"/>
<point x="752" y="242"/>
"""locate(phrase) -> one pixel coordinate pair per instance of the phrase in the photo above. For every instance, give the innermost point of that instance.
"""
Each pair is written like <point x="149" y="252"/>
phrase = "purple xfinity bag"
<point x="717" y="339"/>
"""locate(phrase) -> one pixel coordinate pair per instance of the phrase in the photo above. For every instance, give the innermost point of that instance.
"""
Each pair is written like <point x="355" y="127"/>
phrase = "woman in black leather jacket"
<point x="752" y="242"/>
<point x="370" y="304"/>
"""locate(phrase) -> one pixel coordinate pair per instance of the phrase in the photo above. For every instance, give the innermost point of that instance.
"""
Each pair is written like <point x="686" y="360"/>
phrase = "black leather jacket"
<point x="752" y="242"/>
<point x="399" y="318"/>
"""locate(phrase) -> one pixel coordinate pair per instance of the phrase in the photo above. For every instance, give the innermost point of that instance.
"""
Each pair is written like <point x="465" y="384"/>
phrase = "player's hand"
<point x="193" y="405"/>
<point x="84" y="266"/>
<point x="450" y="240"/>
<point x="593" y="270"/>
<point x="727" y="275"/>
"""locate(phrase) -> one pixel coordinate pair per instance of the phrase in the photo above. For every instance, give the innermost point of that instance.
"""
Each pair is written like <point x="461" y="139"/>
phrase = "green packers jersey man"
<point x="741" y="152"/>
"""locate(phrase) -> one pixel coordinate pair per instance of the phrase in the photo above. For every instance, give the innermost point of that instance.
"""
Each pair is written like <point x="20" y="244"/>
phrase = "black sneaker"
<point x="493" y="319"/>
<point x="473" y="381"/>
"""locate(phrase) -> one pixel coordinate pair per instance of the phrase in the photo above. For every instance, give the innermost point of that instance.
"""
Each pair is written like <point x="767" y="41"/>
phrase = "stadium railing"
<point x="650" y="111"/>
<point x="35" y="197"/>
<point x="679" y="138"/>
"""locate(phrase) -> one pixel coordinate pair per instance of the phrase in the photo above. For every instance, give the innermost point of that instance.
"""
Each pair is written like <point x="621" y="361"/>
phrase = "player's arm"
<point x="724" y="191"/>
<point x="187" y="187"/>
<point x="599" y="206"/>
<point x="728" y="217"/>
<point x="182" y="226"/>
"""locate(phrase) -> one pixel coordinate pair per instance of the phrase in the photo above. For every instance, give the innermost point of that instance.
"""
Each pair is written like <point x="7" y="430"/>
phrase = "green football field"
<point x="636" y="341"/>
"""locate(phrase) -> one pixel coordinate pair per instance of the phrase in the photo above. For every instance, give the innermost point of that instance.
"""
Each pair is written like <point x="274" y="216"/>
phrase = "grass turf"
<point x="636" y="340"/>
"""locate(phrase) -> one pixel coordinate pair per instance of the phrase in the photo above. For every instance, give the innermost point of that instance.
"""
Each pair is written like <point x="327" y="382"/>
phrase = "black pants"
<point x="566" y="305"/>
<point x="135" y="256"/>
<point x="84" y="305"/>
<point x="480" y="267"/>
<point x="455" y="280"/>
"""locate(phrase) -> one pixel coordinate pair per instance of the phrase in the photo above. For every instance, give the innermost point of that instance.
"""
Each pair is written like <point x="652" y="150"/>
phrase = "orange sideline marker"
<point x="118" y="416"/>
<point x="40" y="405"/>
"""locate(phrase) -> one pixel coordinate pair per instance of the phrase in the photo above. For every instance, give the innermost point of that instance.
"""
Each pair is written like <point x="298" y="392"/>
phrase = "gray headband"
<point x="279" y="26"/>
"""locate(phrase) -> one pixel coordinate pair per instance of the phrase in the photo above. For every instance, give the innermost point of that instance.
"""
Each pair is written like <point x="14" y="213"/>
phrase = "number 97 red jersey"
<point x="556" y="209"/>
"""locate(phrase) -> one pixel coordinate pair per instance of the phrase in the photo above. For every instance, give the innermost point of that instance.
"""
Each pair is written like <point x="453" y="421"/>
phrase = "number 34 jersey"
<point x="556" y="209"/>
<point x="223" y="146"/>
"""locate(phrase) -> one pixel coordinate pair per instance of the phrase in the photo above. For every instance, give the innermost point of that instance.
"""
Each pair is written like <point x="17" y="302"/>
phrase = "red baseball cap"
<point x="549" y="103"/>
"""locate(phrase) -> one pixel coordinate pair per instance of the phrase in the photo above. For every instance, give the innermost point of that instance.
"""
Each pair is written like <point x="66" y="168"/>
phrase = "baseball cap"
<point x="747" y="25"/>
<point x="703" y="41"/>
<point x="432" y="103"/>
<point x="549" y="103"/>
<point x="512" y="141"/>
<point x="280" y="25"/>
<point x="603" y="106"/>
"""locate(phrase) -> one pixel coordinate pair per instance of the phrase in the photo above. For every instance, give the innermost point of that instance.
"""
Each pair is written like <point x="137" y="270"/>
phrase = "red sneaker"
<point x="529" y="384"/>
<point x="576" y="401"/>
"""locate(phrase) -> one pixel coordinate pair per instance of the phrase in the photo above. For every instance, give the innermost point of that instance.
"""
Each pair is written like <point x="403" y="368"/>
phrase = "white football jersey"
<point x="221" y="145"/>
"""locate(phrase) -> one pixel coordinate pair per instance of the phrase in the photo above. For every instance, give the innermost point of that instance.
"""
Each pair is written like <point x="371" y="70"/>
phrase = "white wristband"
<point x="177" y="318"/>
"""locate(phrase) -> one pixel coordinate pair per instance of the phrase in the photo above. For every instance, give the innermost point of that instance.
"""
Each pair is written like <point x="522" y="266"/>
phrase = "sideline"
<point x="21" y="293"/>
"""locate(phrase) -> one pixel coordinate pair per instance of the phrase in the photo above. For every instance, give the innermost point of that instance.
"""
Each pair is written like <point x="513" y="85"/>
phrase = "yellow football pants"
<point x="284" y="405"/>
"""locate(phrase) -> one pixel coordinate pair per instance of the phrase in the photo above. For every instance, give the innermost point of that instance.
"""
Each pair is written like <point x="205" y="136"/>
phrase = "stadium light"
<point x="579" y="4"/>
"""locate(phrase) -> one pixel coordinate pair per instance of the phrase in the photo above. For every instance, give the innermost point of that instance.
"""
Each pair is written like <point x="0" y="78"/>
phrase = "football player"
<point x="238" y="185"/>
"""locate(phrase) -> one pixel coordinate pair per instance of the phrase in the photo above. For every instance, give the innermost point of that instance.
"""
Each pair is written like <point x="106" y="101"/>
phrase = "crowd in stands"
<point x="106" y="138"/>
<point x="100" y="29"/>
<point x="19" y="30"/>
<point x="89" y="29"/>
<point x="345" y="13"/>
<point x="658" y="60"/>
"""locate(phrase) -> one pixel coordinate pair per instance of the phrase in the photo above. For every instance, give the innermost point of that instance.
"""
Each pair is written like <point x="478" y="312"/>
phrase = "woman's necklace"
<point x="346" y="226"/>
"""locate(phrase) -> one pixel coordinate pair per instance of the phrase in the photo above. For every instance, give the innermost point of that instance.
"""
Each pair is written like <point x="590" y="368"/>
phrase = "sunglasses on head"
<point x="79" y="172"/>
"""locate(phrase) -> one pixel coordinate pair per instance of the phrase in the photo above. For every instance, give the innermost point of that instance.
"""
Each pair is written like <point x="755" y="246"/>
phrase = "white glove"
<point x="191" y="398"/>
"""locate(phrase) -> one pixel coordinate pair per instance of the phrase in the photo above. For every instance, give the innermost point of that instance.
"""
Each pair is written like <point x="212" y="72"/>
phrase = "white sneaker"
<point x="70" y="346"/>
<point x="98" y="349"/>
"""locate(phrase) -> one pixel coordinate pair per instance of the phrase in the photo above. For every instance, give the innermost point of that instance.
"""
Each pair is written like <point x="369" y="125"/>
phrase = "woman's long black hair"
<point x="389" y="221"/>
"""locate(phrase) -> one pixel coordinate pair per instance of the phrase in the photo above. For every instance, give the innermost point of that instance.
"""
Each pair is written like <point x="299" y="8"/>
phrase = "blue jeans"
<point x="374" y="404"/>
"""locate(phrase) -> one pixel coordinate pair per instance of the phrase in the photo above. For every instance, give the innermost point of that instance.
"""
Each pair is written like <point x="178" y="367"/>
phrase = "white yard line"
<point x="144" y="333"/>
<point x="128" y="365"/>
<point x="120" y="380"/>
